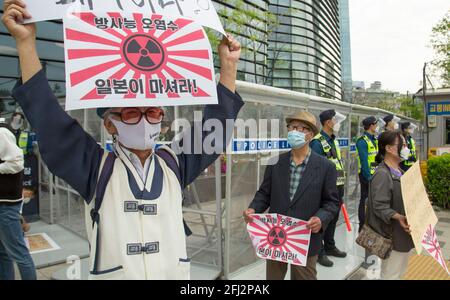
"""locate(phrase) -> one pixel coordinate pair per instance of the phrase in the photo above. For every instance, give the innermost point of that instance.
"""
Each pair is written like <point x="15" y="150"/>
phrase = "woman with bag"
<point x="385" y="209"/>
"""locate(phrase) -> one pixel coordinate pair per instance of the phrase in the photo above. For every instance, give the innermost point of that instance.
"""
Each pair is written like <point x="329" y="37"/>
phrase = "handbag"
<point x="374" y="242"/>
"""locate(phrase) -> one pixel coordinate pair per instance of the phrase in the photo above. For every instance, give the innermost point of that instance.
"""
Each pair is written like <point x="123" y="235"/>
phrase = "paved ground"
<point x="442" y="230"/>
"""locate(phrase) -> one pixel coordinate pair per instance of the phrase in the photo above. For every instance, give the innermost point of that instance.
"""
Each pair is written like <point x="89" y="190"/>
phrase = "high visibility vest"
<point x="22" y="142"/>
<point x="336" y="160"/>
<point x="372" y="148"/>
<point x="413" y="154"/>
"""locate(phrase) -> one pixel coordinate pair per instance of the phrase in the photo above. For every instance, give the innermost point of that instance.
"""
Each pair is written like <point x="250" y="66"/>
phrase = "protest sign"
<point x="431" y="245"/>
<point x="419" y="212"/>
<point x="201" y="11"/>
<point x="123" y="60"/>
<point x="280" y="238"/>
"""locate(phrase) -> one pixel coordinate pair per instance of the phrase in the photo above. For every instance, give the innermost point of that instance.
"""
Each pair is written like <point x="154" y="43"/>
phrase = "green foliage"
<point x="411" y="109"/>
<point x="440" y="41"/>
<point x="438" y="180"/>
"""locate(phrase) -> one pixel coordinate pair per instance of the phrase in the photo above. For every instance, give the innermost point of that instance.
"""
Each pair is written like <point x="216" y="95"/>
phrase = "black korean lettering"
<point x="171" y="86"/>
<point x="160" y="24"/>
<point x="136" y="86"/>
<point x="172" y="26"/>
<point x="117" y="23"/>
<point x="147" y="23"/>
<point x="101" y="23"/>
<point x="129" y="24"/>
<point x="156" y="86"/>
<point x="120" y="86"/>
<point x="103" y="87"/>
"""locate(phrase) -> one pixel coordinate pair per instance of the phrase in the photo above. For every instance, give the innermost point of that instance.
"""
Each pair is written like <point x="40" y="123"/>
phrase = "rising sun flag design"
<point x="431" y="244"/>
<point x="280" y="238"/>
<point x="116" y="60"/>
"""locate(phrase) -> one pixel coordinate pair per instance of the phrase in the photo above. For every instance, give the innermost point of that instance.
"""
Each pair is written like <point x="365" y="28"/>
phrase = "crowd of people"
<point x="308" y="183"/>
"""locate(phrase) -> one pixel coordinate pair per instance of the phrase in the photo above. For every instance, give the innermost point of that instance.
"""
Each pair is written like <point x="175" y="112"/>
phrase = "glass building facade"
<point x="346" y="53"/>
<point x="304" y="50"/>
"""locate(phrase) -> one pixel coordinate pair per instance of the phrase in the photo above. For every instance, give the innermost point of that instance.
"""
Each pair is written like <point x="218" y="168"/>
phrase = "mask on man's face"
<point x="296" y="139"/>
<point x="141" y="136"/>
<point x="16" y="122"/>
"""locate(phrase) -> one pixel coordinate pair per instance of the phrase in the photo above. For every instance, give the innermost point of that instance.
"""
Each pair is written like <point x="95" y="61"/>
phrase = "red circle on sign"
<point x="143" y="52"/>
<point x="277" y="236"/>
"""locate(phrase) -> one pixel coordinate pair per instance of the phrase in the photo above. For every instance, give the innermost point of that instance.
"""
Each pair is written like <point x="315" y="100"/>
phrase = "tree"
<point x="410" y="109"/>
<point x="440" y="41"/>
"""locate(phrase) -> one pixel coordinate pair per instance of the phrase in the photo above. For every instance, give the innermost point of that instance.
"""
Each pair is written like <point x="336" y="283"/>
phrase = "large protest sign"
<point x="201" y="11"/>
<point x="118" y="60"/>
<point x="280" y="238"/>
<point x="419" y="212"/>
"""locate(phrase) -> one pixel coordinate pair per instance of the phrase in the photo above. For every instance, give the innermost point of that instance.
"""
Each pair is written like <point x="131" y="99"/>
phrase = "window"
<point x="447" y="131"/>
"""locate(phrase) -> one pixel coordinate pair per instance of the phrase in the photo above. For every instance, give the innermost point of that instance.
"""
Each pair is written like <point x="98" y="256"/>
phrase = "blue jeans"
<point x="12" y="245"/>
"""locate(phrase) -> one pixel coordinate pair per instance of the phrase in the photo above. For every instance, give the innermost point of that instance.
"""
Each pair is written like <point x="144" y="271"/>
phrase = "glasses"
<point x="300" y="128"/>
<point x="133" y="115"/>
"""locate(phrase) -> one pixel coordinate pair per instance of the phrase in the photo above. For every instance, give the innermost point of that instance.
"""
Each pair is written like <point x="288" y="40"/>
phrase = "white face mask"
<point x="404" y="153"/>
<point x="141" y="136"/>
<point x="377" y="130"/>
<point x="336" y="128"/>
<point x="396" y="126"/>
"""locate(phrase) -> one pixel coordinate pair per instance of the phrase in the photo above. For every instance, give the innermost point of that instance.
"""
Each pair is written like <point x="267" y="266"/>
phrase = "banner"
<point x="280" y="238"/>
<point x="431" y="245"/>
<point x="419" y="212"/>
<point x="123" y="60"/>
<point x="201" y="11"/>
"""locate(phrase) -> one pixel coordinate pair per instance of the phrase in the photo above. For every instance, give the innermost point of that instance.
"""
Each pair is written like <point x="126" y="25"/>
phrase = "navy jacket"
<point x="316" y="195"/>
<point x="73" y="155"/>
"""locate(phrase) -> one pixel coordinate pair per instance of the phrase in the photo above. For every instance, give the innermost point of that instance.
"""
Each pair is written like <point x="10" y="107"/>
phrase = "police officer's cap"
<point x="388" y="118"/>
<point x="327" y="115"/>
<point x="369" y="121"/>
<point x="405" y="125"/>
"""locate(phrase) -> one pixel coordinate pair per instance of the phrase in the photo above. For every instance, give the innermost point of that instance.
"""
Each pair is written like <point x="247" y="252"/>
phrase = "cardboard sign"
<point x="431" y="245"/>
<point x="280" y="238"/>
<point x="201" y="11"/>
<point x="123" y="60"/>
<point x="419" y="212"/>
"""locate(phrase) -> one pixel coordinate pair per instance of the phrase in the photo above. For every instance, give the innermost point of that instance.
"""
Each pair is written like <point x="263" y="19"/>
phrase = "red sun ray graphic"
<point x="144" y="53"/>
<point x="280" y="238"/>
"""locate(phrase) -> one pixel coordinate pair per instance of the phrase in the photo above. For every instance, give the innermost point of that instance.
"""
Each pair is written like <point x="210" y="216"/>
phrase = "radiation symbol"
<point x="143" y="52"/>
<point x="277" y="236"/>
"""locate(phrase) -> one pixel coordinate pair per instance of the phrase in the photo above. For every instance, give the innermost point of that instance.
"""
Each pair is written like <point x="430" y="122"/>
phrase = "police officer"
<point x="391" y="122"/>
<point x="326" y="144"/>
<point x="367" y="149"/>
<point x="407" y="130"/>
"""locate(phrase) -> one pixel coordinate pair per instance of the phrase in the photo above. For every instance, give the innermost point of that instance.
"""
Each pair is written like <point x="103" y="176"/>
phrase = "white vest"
<point x="125" y="230"/>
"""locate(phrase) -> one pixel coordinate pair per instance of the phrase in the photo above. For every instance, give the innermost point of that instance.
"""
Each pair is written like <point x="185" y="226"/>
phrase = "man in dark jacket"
<point x="302" y="185"/>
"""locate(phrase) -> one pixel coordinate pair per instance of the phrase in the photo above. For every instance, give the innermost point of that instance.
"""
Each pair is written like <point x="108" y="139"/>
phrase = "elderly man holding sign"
<point x="137" y="225"/>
